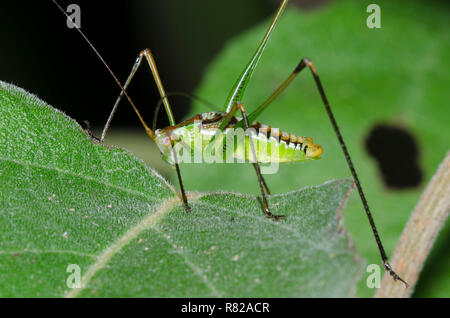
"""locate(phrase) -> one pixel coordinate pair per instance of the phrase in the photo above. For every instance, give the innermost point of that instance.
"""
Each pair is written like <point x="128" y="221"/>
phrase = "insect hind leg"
<point x="306" y="63"/>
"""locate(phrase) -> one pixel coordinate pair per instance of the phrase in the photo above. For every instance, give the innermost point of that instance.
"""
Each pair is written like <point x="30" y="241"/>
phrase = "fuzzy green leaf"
<point x="66" y="200"/>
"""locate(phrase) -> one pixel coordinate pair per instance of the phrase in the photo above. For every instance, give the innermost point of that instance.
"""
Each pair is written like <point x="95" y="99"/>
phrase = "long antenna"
<point x="148" y="130"/>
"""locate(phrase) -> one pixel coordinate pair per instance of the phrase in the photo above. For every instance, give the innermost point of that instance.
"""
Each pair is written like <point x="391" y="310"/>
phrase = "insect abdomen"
<point x="233" y="145"/>
<point x="273" y="145"/>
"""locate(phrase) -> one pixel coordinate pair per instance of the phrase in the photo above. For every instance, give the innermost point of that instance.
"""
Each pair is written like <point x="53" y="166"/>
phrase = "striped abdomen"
<point x="192" y="140"/>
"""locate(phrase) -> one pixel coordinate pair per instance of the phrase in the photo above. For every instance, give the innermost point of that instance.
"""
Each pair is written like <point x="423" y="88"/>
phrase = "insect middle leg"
<point x="151" y="62"/>
<point x="261" y="182"/>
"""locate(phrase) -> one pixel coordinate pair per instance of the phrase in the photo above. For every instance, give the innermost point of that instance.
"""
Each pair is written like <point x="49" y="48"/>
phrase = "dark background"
<point x="39" y="53"/>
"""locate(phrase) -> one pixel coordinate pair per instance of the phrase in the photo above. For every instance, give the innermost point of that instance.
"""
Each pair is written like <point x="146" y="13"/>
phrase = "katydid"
<point x="295" y="148"/>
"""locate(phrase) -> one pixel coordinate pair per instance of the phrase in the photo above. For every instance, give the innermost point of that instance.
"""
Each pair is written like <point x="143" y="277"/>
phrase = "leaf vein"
<point x="197" y="270"/>
<point x="87" y="178"/>
<point x="148" y="222"/>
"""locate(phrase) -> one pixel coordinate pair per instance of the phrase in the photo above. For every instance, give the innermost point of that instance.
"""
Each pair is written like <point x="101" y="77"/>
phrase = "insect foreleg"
<point x="180" y="181"/>
<point x="147" y="54"/>
<point x="151" y="62"/>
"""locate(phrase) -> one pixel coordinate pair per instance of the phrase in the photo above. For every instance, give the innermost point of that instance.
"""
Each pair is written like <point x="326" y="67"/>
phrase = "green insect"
<point x="213" y="128"/>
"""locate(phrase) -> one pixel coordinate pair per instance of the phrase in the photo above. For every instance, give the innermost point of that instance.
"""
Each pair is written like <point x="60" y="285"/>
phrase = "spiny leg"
<point x="305" y="62"/>
<point x="261" y="181"/>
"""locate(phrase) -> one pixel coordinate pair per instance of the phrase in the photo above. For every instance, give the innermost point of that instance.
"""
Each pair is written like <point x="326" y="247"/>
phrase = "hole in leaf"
<point x="396" y="153"/>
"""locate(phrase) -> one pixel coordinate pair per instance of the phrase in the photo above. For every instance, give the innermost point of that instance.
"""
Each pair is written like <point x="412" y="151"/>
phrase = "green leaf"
<point x="395" y="75"/>
<point x="68" y="200"/>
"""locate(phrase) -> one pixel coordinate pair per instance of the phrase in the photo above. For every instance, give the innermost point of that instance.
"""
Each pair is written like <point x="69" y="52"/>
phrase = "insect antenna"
<point x="141" y="119"/>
